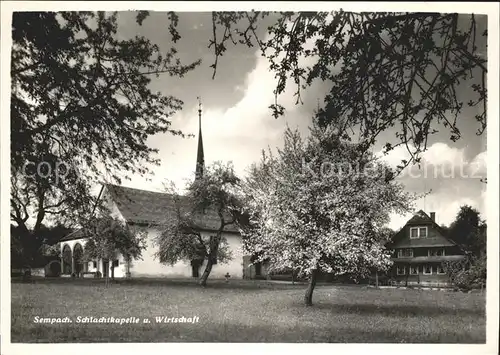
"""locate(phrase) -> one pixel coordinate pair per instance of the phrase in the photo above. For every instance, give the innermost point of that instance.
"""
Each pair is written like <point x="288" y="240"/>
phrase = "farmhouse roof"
<point x="421" y="218"/>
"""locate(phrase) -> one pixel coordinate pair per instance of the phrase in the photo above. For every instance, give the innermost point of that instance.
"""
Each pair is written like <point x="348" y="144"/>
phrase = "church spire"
<point x="200" y="157"/>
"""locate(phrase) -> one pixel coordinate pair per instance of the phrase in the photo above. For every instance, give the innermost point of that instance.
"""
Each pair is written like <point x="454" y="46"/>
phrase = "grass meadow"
<point x="244" y="311"/>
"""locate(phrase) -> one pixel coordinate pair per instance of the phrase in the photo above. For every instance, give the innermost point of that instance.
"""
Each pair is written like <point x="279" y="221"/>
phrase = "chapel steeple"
<point x="200" y="157"/>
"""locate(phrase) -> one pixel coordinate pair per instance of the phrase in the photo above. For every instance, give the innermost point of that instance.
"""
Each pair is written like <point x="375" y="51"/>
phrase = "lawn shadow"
<point x="396" y="309"/>
<point x="168" y="282"/>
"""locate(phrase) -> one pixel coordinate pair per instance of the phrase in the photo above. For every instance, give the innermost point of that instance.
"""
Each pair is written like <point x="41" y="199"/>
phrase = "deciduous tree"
<point x="28" y="250"/>
<point x="467" y="230"/>
<point x="81" y="108"/>
<point x="214" y="196"/>
<point x="320" y="205"/>
<point x="108" y="238"/>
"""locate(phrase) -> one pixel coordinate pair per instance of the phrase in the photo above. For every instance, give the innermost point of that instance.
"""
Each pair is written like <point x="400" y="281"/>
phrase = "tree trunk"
<point x="310" y="288"/>
<point x="214" y="246"/>
<point x="107" y="274"/>
<point x="30" y="244"/>
<point x="127" y="263"/>
<point x="206" y="273"/>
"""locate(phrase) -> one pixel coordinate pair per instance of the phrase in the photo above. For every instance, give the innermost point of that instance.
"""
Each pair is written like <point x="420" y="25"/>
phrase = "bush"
<point x="477" y="273"/>
<point x="463" y="280"/>
<point x="55" y="268"/>
<point x="470" y="278"/>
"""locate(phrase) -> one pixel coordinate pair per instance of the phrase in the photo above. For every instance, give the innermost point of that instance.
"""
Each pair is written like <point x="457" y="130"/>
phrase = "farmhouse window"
<point x="405" y="253"/>
<point x="401" y="270"/>
<point x="439" y="270"/>
<point x="94" y="264"/>
<point x="418" y="232"/>
<point x="427" y="269"/>
<point x="413" y="270"/>
<point x="116" y="263"/>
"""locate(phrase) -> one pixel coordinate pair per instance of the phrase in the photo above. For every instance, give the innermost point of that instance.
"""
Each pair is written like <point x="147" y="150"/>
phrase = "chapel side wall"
<point x="149" y="265"/>
<point x="234" y="266"/>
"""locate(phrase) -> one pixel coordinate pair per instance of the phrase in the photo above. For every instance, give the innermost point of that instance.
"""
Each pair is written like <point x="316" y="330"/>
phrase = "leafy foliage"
<point x="385" y="69"/>
<point x="182" y="238"/>
<point x="74" y="80"/>
<point x="216" y="191"/>
<point x="51" y="250"/>
<point x="30" y="250"/>
<point x="468" y="231"/>
<point x="467" y="274"/>
<point x="109" y="237"/>
<point x="320" y="205"/>
<point x="385" y="235"/>
<point x="80" y="102"/>
<point x="213" y="195"/>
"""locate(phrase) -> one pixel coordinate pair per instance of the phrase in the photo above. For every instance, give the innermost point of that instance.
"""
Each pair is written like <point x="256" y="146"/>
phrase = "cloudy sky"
<point x="237" y="123"/>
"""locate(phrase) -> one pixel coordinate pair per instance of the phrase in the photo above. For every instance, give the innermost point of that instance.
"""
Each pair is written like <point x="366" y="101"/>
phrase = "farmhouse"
<point x="420" y="248"/>
<point x="147" y="210"/>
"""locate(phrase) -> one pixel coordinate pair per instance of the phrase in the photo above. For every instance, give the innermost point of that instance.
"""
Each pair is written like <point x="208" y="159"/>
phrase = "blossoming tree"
<point x="110" y="237"/>
<point x="319" y="205"/>
<point x="212" y="195"/>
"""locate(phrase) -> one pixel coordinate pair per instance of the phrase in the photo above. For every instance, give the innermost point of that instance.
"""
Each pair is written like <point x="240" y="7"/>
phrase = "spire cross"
<point x="199" y="110"/>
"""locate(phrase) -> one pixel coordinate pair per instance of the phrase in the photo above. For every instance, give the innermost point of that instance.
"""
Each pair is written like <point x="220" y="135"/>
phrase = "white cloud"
<point x="394" y="157"/>
<point x="448" y="213"/>
<point x="438" y="154"/>
<point x="398" y="221"/>
<point x="443" y="154"/>
<point x="478" y="166"/>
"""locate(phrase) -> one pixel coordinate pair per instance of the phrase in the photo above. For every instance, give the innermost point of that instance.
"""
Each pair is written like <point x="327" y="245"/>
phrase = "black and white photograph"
<point x="266" y="173"/>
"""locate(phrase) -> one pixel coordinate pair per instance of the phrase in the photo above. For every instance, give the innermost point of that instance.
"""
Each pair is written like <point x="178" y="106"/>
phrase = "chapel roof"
<point x="147" y="207"/>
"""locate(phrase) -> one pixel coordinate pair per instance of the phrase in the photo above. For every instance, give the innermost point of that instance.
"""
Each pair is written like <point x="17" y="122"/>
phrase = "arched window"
<point x="78" y="256"/>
